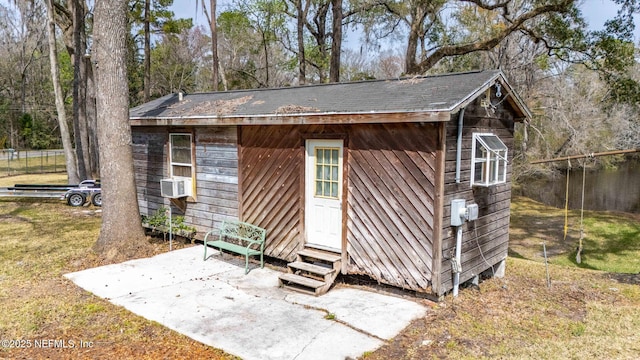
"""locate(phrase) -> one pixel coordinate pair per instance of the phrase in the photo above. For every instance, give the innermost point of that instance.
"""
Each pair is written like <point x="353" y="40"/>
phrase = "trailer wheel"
<point x="96" y="199"/>
<point x="76" y="199"/>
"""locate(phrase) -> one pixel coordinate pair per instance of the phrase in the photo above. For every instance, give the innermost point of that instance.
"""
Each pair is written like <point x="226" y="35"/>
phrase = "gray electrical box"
<point x="457" y="212"/>
<point x="460" y="212"/>
<point x="472" y="212"/>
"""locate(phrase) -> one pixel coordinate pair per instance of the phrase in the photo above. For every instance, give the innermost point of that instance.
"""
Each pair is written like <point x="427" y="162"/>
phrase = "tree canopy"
<point x="267" y="43"/>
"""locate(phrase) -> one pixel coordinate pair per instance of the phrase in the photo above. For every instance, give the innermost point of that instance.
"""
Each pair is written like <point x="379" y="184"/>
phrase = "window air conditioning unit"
<point x="175" y="187"/>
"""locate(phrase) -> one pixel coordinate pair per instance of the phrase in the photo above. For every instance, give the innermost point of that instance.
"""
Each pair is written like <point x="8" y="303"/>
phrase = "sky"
<point x="595" y="11"/>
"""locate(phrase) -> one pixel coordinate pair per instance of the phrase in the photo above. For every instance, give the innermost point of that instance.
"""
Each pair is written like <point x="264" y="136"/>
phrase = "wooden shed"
<point x="360" y="174"/>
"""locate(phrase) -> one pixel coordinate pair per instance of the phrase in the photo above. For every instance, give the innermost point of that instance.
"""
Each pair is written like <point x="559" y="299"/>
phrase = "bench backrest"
<point x="243" y="231"/>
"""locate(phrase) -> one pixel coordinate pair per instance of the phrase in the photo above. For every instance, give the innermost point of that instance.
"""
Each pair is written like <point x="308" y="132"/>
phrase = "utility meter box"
<point x="472" y="212"/>
<point x="457" y="212"/>
<point x="460" y="212"/>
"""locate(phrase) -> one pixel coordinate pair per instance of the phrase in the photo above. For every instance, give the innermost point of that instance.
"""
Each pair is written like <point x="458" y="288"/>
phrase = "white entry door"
<point x="323" y="194"/>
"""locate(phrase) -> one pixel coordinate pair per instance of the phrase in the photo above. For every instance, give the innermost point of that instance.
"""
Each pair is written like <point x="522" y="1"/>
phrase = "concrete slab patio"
<point x="249" y="316"/>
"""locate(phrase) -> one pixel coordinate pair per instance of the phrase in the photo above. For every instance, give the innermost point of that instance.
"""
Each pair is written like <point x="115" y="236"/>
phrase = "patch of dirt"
<point x="529" y="230"/>
<point x="153" y="246"/>
<point x="626" y="278"/>
<point x="8" y="218"/>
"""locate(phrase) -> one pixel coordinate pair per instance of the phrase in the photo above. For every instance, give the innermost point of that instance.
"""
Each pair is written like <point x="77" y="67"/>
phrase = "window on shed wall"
<point x="488" y="160"/>
<point x="327" y="172"/>
<point x="180" y="155"/>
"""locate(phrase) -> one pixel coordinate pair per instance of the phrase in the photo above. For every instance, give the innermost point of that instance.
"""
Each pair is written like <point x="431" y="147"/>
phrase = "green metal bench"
<point x="250" y="237"/>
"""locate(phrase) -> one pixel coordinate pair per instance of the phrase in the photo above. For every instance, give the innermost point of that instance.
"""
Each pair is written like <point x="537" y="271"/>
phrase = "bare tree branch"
<point x="484" y="44"/>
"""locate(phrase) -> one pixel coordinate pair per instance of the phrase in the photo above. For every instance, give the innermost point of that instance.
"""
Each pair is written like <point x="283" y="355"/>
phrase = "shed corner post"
<point x="239" y="152"/>
<point x="436" y="281"/>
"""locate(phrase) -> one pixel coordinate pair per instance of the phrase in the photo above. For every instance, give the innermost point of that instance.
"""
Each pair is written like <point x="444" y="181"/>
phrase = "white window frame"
<point x="493" y="158"/>
<point x="175" y="163"/>
<point x="331" y="180"/>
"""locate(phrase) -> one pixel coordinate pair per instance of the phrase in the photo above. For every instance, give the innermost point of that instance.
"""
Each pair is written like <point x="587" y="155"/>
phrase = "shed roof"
<point x="420" y="98"/>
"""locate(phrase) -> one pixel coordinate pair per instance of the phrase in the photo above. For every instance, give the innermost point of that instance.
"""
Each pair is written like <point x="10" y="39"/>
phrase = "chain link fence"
<point x="15" y="162"/>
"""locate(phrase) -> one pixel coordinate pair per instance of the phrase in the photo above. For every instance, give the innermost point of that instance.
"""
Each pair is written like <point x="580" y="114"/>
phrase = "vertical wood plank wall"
<point x="216" y="180"/>
<point x="485" y="241"/>
<point x="390" y="202"/>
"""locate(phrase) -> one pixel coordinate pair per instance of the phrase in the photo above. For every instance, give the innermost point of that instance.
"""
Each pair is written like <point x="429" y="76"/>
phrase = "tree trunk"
<point x="302" y="15"/>
<point x="417" y="21"/>
<point x="265" y="46"/>
<point x="69" y="155"/>
<point x="147" y="51"/>
<point x="214" y="47"/>
<point x="78" y="26"/>
<point x="121" y="234"/>
<point x="319" y="32"/>
<point x="223" y="78"/>
<point x="336" y="41"/>
<point x="83" y="120"/>
<point x="92" y="131"/>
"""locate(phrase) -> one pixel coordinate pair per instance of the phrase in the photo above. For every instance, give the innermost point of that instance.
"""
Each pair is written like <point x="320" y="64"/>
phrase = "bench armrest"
<point x="212" y="232"/>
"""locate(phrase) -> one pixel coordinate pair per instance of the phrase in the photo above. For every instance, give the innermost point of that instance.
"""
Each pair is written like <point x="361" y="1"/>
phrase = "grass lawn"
<point x="611" y="241"/>
<point x="52" y="178"/>
<point x="41" y="241"/>
<point x="39" y="162"/>
<point x="586" y="313"/>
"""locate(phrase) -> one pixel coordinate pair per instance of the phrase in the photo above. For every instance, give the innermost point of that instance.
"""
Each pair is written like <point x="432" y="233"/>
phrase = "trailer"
<point x="74" y="195"/>
<point x="88" y="190"/>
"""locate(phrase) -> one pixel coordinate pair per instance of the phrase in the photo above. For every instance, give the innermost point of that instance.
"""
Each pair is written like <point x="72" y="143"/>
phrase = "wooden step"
<point x="314" y="284"/>
<point x="320" y="255"/>
<point x="301" y="284"/>
<point x="313" y="273"/>
<point x="311" y="268"/>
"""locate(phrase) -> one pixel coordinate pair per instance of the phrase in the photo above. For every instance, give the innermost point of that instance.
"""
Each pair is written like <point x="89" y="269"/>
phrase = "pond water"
<point x="614" y="190"/>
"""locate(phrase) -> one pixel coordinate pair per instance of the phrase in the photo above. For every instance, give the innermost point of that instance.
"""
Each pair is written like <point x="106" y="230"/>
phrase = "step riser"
<point x="324" y="256"/>
<point x="300" y="289"/>
<point x="311" y="275"/>
<point x="312" y="266"/>
<point x="319" y="262"/>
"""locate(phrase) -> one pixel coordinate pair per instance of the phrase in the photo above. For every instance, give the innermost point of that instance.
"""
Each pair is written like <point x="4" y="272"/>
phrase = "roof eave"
<point x="440" y="115"/>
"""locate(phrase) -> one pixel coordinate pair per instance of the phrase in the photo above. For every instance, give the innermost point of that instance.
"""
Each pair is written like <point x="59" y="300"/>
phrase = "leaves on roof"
<point x="295" y="109"/>
<point x="413" y="80"/>
<point x="218" y="107"/>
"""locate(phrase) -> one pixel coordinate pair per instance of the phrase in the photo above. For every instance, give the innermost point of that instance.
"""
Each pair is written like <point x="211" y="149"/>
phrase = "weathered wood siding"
<point x="216" y="158"/>
<point x="150" y="166"/>
<point x="216" y="177"/>
<point x="391" y="173"/>
<point x="272" y="162"/>
<point x="390" y="194"/>
<point x="484" y="241"/>
<point x="272" y="182"/>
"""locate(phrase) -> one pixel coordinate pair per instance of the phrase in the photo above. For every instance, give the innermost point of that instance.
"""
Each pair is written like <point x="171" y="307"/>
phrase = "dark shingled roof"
<point x="422" y="94"/>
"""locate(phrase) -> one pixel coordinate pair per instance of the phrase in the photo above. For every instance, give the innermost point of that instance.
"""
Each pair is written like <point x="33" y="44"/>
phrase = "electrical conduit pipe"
<point x="459" y="145"/>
